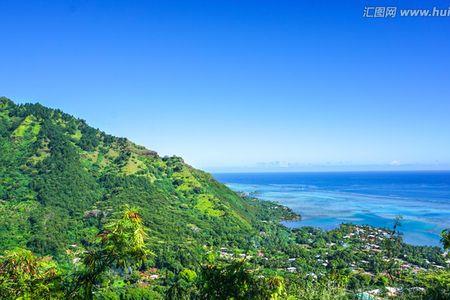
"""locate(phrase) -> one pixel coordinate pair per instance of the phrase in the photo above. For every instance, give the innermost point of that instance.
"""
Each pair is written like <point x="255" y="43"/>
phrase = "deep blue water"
<point x="326" y="200"/>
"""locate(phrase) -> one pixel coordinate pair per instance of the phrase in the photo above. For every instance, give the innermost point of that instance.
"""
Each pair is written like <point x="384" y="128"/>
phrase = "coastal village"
<point x="368" y="242"/>
<point x="361" y="251"/>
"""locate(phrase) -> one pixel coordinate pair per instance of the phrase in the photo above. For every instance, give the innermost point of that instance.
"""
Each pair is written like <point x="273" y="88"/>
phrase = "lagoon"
<point x="326" y="200"/>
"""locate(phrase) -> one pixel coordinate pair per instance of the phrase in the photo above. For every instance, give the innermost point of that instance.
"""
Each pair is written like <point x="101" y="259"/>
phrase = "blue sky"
<point x="241" y="85"/>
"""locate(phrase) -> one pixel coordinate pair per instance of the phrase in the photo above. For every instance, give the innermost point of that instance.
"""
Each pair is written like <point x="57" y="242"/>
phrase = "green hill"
<point x="59" y="178"/>
<point x="85" y="198"/>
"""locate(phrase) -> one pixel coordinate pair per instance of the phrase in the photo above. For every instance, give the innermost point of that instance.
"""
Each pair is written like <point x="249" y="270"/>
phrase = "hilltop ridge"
<point x="59" y="177"/>
<point x="63" y="185"/>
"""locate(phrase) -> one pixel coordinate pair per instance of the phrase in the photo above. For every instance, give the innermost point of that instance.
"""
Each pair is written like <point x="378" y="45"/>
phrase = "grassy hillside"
<point x="59" y="178"/>
<point x="86" y="215"/>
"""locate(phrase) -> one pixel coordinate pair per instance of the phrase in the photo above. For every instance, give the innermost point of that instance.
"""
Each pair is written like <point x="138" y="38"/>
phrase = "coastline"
<point x="328" y="200"/>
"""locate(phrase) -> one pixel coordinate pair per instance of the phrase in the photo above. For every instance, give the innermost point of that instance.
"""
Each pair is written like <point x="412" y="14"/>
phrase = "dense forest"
<point x="86" y="215"/>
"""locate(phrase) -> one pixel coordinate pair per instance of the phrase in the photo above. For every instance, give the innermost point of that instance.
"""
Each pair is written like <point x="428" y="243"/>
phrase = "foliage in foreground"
<point x="61" y="237"/>
<point x="112" y="266"/>
<point x="25" y="276"/>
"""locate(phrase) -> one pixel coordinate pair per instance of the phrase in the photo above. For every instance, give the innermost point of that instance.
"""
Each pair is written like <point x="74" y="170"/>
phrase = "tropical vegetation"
<point x="86" y="215"/>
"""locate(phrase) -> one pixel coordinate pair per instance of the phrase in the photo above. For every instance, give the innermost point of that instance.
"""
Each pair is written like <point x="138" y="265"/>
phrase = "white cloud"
<point x="394" y="163"/>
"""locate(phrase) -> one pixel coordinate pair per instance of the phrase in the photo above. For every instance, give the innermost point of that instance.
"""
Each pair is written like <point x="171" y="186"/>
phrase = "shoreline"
<point x="294" y="217"/>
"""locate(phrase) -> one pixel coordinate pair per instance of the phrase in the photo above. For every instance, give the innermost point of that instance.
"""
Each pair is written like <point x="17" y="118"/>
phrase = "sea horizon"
<point x="332" y="171"/>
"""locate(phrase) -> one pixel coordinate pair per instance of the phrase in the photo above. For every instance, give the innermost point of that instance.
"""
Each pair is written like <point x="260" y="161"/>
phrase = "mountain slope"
<point x="59" y="178"/>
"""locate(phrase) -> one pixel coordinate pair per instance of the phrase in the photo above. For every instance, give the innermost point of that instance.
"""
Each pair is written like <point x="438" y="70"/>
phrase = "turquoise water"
<point x="326" y="200"/>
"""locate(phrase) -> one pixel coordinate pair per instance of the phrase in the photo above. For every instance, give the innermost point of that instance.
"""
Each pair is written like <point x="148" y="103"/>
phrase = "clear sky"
<point x="241" y="84"/>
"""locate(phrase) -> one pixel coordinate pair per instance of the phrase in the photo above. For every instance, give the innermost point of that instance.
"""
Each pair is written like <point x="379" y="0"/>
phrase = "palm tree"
<point x="119" y="247"/>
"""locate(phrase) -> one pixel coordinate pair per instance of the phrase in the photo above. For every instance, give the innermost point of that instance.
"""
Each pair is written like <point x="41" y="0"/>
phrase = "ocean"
<point x="326" y="200"/>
